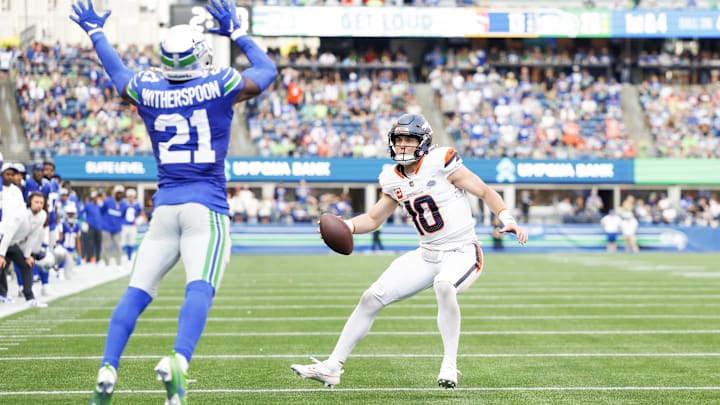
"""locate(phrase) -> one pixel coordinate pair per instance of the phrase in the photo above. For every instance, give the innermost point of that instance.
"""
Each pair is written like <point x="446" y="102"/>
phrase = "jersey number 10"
<point x="417" y="210"/>
<point x="203" y="153"/>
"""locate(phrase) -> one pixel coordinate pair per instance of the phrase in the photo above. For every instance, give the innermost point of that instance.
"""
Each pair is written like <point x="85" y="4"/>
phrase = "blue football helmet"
<point x="411" y="125"/>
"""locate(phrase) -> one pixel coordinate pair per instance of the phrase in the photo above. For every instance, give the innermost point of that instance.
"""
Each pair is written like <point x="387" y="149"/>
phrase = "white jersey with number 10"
<point x="440" y="211"/>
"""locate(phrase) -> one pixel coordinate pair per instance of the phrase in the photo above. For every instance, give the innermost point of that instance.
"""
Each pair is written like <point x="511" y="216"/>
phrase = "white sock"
<point x="448" y="322"/>
<point x="183" y="361"/>
<point x="357" y="327"/>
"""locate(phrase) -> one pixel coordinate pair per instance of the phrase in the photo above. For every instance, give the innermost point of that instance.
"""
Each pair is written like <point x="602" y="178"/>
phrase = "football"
<point x="336" y="234"/>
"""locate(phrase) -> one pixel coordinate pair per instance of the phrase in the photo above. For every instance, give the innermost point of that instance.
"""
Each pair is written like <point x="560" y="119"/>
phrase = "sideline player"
<point x="187" y="107"/>
<point x="69" y="249"/>
<point x="132" y="217"/>
<point x="431" y="184"/>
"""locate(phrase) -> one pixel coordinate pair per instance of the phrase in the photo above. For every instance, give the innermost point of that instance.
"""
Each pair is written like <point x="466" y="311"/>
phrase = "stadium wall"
<point x="304" y="239"/>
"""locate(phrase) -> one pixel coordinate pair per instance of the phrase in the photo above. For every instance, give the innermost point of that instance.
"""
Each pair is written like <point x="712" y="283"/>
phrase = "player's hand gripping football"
<point x="518" y="231"/>
<point x="226" y="15"/>
<point x="87" y="18"/>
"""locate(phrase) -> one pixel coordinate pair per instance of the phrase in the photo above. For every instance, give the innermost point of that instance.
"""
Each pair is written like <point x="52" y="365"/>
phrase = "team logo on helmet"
<point x="184" y="53"/>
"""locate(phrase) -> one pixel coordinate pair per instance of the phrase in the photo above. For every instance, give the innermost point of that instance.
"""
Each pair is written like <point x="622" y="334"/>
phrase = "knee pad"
<point x="373" y="298"/>
<point x="444" y="288"/>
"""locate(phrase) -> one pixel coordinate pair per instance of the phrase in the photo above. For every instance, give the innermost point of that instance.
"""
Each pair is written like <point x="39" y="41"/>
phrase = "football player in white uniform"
<point x="431" y="184"/>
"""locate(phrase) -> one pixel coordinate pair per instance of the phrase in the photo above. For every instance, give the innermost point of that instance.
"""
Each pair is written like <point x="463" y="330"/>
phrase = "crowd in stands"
<point x="286" y="206"/>
<point x="494" y="113"/>
<point x="333" y="112"/>
<point x="68" y="105"/>
<point x="684" y="121"/>
<point x="532" y="103"/>
<point x="695" y="208"/>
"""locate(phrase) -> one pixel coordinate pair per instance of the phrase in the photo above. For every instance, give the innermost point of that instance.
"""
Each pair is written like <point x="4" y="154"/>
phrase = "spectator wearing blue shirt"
<point x="112" y="216"/>
<point x="93" y="216"/>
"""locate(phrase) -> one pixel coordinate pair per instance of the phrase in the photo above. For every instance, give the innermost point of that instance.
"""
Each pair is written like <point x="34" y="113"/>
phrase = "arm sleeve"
<point x="7" y="232"/>
<point x="263" y="71"/>
<point x="113" y="65"/>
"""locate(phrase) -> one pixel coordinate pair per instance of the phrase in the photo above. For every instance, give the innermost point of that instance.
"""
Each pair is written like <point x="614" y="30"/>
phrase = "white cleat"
<point x="107" y="376"/>
<point x="33" y="303"/>
<point x="46" y="291"/>
<point x="448" y="377"/>
<point x="321" y="371"/>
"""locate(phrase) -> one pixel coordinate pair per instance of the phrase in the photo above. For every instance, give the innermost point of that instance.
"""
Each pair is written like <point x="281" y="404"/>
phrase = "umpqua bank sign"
<point x="564" y="171"/>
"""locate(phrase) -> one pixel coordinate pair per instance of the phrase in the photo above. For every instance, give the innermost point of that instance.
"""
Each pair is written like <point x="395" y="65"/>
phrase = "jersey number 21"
<point x="203" y="153"/>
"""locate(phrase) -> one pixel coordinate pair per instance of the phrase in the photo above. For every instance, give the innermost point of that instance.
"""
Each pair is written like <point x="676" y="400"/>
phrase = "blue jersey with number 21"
<point x="189" y="126"/>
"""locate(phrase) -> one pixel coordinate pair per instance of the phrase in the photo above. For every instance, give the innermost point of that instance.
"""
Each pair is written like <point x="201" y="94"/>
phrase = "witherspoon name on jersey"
<point x="181" y="97"/>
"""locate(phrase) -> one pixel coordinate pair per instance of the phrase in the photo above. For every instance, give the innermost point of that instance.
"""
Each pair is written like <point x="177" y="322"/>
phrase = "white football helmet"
<point x="184" y="53"/>
<point x="70" y="213"/>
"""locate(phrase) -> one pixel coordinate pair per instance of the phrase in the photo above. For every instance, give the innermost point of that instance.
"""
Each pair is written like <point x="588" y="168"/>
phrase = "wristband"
<point x="237" y="34"/>
<point x="95" y="31"/>
<point x="350" y="225"/>
<point x="506" y="217"/>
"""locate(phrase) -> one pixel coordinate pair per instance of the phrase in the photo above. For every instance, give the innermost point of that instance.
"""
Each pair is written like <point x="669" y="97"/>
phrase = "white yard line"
<point x="389" y="389"/>
<point x="391" y="333"/>
<point x="151" y="319"/>
<point x="429" y="297"/>
<point x="416" y="306"/>
<point x="368" y="356"/>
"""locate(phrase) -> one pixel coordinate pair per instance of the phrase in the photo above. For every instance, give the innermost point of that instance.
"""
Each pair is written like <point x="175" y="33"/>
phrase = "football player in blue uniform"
<point x="132" y="216"/>
<point x="69" y="248"/>
<point x="187" y="107"/>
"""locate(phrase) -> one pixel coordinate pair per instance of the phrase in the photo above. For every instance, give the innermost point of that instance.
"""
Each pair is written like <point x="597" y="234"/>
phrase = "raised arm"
<point x="263" y="71"/>
<point x="92" y="24"/>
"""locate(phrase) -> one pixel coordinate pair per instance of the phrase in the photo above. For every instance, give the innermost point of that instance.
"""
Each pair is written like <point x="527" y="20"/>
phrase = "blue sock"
<point x="193" y="316"/>
<point x="18" y="276"/>
<point x="128" y="252"/>
<point x="44" y="277"/>
<point x="122" y="324"/>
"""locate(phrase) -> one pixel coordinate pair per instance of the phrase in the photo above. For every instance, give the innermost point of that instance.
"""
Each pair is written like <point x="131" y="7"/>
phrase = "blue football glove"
<point x="226" y="15"/>
<point x="87" y="18"/>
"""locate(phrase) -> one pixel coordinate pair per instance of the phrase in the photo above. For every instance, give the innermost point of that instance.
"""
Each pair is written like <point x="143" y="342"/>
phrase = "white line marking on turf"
<point x="150" y="319"/>
<point x="365" y="356"/>
<point x="427" y="297"/>
<point x="396" y="333"/>
<point x="388" y="389"/>
<point x="464" y="305"/>
<point x="698" y="275"/>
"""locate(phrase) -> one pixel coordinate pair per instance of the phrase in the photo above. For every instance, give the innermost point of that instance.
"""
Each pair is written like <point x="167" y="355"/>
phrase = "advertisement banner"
<point x="252" y="169"/>
<point x="447" y="22"/>
<point x="677" y="171"/>
<point x="554" y="171"/>
<point x="366" y="21"/>
<point x="666" y="24"/>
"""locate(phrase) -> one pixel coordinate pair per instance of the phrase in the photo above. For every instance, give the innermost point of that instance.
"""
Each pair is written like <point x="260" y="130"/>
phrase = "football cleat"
<point x="105" y="385"/>
<point x="448" y="377"/>
<point x="321" y="371"/>
<point x="33" y="303"/>
<point x="172" y="374"/>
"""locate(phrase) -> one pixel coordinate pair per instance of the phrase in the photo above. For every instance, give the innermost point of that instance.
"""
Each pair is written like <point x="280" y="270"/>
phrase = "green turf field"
<point x="554" y="329"/>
